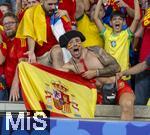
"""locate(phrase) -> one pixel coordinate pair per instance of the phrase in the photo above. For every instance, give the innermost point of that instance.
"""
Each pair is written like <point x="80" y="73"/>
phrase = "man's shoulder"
<point x="106" y="31"/>
<point x="126" y="33"/>
<point x="83" y="18"/>
<point x="95" y="49"/>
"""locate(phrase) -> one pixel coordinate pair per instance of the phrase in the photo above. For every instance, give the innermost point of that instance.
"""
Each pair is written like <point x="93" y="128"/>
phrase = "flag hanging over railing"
<point x="62" y="93"/>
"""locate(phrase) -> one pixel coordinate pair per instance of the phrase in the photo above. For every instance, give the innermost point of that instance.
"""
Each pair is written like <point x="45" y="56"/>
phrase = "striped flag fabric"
<point x="63" y="94"/>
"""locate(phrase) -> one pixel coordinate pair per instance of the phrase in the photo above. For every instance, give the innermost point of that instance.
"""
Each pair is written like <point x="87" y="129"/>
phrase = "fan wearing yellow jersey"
<point x="117" y="43"/>
<point x="86" y="25"/>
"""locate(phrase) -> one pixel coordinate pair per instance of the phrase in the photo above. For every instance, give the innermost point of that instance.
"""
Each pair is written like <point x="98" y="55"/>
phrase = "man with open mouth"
<point x="99" y="68"/>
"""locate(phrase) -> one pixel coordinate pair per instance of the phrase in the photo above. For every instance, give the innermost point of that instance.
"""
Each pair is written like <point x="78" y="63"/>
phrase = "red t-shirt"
<point x="1" y="16"/>
<point x="12" y="50"/>
<point x="51" y="41"/>
<point x="4" y="38"/>
<point x="20" y="14"/>
<point x="70" y="6"/>
<point x="145" y="48"/>
<point x="131" y="5"/>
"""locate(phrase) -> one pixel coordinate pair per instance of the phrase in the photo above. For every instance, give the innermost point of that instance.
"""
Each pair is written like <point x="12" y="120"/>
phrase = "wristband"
<point x="97" y="72"/>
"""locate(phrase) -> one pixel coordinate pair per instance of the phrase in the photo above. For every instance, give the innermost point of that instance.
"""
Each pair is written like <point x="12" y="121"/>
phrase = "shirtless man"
<point x="98" y="66"/>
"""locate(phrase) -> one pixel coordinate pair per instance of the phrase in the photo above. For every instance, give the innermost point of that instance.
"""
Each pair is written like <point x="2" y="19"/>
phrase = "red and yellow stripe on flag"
<point x="61" y="93"/>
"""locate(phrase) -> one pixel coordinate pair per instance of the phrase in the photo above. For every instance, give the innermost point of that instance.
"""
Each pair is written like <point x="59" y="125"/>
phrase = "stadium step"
<point x="103" y="112"/>
<point x="112" y="112"/>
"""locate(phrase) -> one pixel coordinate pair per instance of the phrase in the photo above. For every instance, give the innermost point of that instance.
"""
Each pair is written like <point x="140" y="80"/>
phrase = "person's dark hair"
<point x="10" y="14"/>
<point x="117" y="13"/>
<point x="148" y="4"/>
<point x="65" y="38"/>
<point x="7" y="5"/>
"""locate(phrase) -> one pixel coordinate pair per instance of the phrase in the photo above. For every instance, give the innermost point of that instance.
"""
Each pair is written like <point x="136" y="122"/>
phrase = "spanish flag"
<point x="33" y="24"/>
<point x="61" y="93"/>
<point x="112" y="3"/>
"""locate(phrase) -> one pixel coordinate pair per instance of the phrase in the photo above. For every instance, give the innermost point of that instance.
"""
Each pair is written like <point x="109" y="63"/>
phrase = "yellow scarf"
<point x="33" y="24"/>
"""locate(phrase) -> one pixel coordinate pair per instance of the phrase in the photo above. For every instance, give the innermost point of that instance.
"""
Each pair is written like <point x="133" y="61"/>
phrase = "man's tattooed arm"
<point x="111" y="67"/>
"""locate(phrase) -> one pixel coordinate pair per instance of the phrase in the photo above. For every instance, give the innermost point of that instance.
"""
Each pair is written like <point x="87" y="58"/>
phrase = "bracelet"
<point x="97" y="73"/>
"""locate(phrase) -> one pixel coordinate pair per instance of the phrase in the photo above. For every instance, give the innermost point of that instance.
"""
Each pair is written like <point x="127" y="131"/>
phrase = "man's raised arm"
<point x="136" y="16"/>
<point x="97" y="20"/>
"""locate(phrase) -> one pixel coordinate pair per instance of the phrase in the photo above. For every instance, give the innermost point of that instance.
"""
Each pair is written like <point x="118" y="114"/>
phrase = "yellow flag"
<point x="33" y="24"/>
<point x="61" y="93"/>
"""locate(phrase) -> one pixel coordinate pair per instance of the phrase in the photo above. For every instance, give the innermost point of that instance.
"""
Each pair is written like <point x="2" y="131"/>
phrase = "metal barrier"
<point x="103" y="112"/>
<point x="106" y="122"/>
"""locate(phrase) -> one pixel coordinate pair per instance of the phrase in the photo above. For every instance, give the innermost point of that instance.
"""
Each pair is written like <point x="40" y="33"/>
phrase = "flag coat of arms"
<point x="62" y="93"/>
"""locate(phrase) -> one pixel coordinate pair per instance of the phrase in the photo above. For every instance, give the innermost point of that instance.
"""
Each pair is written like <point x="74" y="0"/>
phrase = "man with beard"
<point x="37" y="27"/>
<point x="11" y="49"/>
<point x="99" y="67"/>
